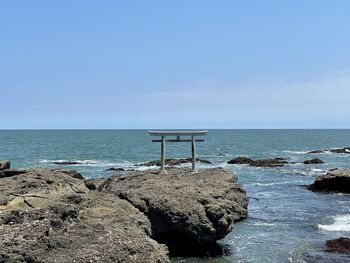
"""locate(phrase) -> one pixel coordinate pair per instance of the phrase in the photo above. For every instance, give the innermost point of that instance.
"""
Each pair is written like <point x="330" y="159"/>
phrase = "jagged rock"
<point x="272" y="162"/>
<point x="5" y="165"/>
<point x="188" y="211"/>
<point x="173" y="162"/>
<point x="334" y="181"/>
<point x="340" y="245"/>
<point x="313" y="161"/>
<point x="49" y="215"/>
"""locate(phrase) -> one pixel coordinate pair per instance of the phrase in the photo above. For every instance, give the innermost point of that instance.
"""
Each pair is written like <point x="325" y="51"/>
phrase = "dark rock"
<point x="334" y="181"/>
<point x="11" y="172"/>
<point x="316" y="151"/>
<point x="341" y="150"/>
<point x="5" y="165"/>
<point x="240" y="160"/>
<point x="188" y="211"/>
<point x="335" y="150"/>
<point x="63" y="221"/>
<point x="272" y="162"/>
<point x="115" y="169"/>
<point x="340" y="245"/>
<point x="222" y="154"/>
<point x="313" y="161"/>
<point x="173" y="162"/>
<point x="66" y="162"/>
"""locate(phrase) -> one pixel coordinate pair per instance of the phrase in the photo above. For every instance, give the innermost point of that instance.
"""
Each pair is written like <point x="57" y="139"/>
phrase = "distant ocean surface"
<point x="286" y="222"/>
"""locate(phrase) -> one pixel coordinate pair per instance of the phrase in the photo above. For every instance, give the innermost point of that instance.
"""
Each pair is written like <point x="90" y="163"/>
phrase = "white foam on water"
<point x="341" y="223"/>
<point x="295" y="152"/>
<point x="262" y="224"/>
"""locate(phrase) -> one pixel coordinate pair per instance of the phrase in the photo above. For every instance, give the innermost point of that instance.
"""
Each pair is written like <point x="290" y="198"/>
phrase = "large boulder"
<point x="5" y="165"/>
<point x="337" y="180"/>
<point x="340" y="245"/>
<point x="188" y="211"/>
<point x="49" y="215"/>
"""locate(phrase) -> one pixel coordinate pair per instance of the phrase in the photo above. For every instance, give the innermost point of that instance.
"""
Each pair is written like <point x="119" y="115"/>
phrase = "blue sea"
<point x="286" y="222"/>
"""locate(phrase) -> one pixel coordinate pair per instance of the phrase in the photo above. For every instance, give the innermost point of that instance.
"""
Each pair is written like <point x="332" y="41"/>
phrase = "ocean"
<point x="286" y="222"/>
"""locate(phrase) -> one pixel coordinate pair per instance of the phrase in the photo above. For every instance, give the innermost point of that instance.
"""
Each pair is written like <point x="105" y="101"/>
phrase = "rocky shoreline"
<point x="54" y="215"/>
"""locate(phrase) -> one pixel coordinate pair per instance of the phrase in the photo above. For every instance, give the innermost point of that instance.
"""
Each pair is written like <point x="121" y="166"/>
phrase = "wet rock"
<point x="272" y="162"/>
<point x="335" y="150"/>
<point x="334" y="181"/>
<point x="115" y="169"/>
<point x="49" y="215"/>
<point x="313" y="161"/>
<point x="340" y="245"/>
<point x="66" y="162"/>
<point x="5" y="165"/>
<point x="188" y="211"/>
<point x="240" y="160"/>
<point x="173" y="162"/>
<point x="316" y="151"/>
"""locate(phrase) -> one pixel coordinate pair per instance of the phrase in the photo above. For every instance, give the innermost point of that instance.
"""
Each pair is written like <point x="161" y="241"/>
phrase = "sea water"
<point x="286" y="222"/>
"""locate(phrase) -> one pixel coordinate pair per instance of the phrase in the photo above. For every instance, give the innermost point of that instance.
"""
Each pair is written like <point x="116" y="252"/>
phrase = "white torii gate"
<point x="178" y="134"/>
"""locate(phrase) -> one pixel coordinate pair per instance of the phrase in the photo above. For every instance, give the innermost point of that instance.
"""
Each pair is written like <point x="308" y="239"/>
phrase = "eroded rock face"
<point x="340" y="245"/>
<point x="188" y="211"/>
<point x="337" y="180"/>
<point x="5" y="165"/>
<point x="173" y="162"/>
<point x="50" y="215"/>
<point x="272" y="162"/>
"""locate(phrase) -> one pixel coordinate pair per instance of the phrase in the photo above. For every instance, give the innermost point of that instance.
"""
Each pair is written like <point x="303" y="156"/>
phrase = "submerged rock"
<point x="313" y="161"/>
<point x="188" y="211"/>
<point x="5" y="165"/>
<point x="66" y="162"/>
<point x="337" y="180"/>
<point x="173" y="162"/>
<point x="272" y="162"/>
<point x="340" y="245"/>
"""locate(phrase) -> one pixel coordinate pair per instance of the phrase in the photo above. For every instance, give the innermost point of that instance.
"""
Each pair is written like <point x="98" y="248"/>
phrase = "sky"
<point x="174" y="64"/>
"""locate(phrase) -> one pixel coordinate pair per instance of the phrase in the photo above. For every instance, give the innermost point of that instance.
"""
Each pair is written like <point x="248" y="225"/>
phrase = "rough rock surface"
<point x="337" y="180"/>
<point x="53" y="215"/>
<point x="313" y="161"/>
<point x="188" y="211"/>
<point x="49" y="215"/>
<point x="173" y="162"/>
<point x="340" y="245"/>
<point x="5" y="165"/>
<point x="272" y="162"/>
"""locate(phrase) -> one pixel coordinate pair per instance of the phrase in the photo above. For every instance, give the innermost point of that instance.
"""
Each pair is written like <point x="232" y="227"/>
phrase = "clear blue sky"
<point x="175" y="64"/>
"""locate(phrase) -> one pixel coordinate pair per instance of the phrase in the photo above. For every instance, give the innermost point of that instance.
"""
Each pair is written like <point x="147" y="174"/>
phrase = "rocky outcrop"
<point x="272" y="162"/>
<point x="53" y="215"/>
<point x="334" y="150"/>
<point x="313" y="161"/>
<point x="5" y="165"/>
<point x="188" y="211"/>
<point x="50" y="215"/>
<point x="337" y="180"/>
<point x="118" y="169"/>
<point x="173" y="162"/>
<point x="340" y="245"/>
<point x="66" y="162"/>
